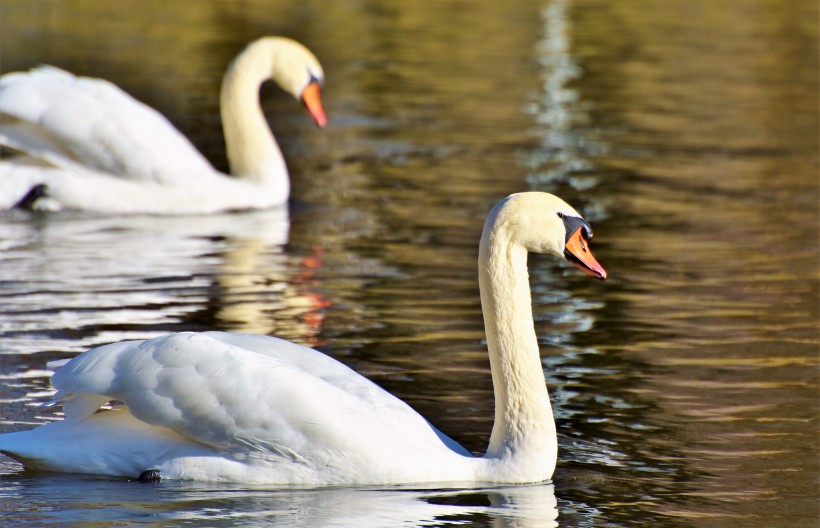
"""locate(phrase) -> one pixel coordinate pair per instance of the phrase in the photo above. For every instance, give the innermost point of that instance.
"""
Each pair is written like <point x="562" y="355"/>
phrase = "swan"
<point x="85" y="144"/>
<point x="256" y="409"/>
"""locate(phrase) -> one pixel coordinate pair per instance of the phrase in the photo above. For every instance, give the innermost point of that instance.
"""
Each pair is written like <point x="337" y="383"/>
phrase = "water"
<point x="685" y="387"/>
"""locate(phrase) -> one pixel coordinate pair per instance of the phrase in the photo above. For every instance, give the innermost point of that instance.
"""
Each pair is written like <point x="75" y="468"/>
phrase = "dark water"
<point x="685" y="387"/>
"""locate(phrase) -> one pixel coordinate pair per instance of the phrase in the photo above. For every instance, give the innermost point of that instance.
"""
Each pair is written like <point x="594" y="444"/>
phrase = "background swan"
<point x="88" y="145"/>
<point x="251" y="408"/>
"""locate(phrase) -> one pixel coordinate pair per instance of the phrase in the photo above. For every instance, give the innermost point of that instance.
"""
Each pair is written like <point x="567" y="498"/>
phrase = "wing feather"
<point x="84" y="124"/>
<point x="234" y="392"/>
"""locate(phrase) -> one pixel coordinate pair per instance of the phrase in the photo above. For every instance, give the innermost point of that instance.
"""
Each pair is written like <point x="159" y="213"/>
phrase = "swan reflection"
<point x="89" y="499"/>
<point x="75" y="281"/>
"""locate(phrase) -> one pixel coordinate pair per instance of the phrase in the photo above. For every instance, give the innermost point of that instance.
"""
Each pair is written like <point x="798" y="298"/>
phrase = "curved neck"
<point x="251" y="148"/>
<point x="524" y="430"/>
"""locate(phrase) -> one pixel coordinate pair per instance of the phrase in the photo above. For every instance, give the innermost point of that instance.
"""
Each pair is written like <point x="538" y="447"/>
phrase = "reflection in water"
<point x="711" y="317"/>
<point x="131" y="277"/>
<point x="124" y="275"/>
<point x="685" y="387"/>
<point x="72" y="499"/>
<point x="251" y="294"/>
<point x="97" y="280"/>
<point x="563" y="157"/>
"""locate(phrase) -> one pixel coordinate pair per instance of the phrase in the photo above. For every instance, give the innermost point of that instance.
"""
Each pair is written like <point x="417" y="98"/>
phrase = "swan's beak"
<point x="311" y="96"/>
<point x="577" y="252"/>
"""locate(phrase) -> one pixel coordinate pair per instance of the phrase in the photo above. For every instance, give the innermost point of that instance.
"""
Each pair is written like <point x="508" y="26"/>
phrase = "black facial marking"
<point x="314" y="79"/>
<point x="572" y="223"/>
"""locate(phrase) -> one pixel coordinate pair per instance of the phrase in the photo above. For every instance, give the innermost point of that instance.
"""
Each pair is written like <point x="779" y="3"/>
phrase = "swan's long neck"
<point x="251" y="149"/>
<point x="523" y="437"/>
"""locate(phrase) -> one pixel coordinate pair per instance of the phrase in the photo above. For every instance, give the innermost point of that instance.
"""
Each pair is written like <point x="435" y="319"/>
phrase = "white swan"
<point x="88" y="145"/>
<point x="251" y="408"/>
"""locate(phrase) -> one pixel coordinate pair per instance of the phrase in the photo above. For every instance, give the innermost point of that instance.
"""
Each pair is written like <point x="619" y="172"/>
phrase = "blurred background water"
<point x="685" y="387"/>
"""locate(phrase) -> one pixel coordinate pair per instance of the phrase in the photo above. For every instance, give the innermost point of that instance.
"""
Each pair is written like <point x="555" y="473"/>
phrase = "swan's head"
<point x="544" y="223"/>
<point x="297" y="71"/>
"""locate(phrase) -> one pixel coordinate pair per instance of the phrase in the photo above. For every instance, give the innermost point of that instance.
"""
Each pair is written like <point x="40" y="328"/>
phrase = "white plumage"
<point x="250" y="408"/>
<point x="96" y="148"/>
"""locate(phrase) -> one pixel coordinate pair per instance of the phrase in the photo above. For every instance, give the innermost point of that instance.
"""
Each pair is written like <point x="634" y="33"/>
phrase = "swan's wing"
<point x="243" y="395"/>
<point x="84" y="124"/>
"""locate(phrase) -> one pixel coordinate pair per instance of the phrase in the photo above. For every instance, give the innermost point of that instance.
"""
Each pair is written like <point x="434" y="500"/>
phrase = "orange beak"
<point x="311" y="96"/>
<point x="577" y="252"/>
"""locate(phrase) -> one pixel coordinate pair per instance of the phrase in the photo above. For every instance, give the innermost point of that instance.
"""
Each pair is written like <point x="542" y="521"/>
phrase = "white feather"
<point x="250" y="408"/>
<point x="96" y="148"/>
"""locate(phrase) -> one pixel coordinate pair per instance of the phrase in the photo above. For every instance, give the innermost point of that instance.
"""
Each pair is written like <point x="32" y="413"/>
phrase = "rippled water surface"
<point x="685" y="387"/>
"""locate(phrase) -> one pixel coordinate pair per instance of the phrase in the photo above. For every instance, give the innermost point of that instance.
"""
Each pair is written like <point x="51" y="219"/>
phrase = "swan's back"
<point x="309" y="418"/>
<point x="83" y="124"/>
